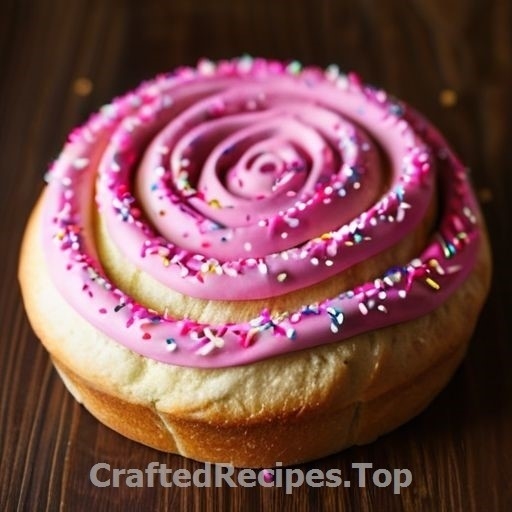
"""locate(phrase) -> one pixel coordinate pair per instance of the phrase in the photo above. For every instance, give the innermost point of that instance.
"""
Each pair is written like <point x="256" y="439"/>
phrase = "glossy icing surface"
<point x="247" y="179"/>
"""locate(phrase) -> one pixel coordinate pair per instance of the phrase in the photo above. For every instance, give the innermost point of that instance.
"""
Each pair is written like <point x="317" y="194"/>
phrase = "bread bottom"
<point x="294" y="439"/>
<point x="288" y="409"/>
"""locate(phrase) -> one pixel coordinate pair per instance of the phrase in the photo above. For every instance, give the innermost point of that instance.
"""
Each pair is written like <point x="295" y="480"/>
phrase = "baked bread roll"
<point x="248" y="262"/>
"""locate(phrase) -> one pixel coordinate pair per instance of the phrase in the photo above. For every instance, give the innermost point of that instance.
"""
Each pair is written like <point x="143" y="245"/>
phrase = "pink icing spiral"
<point x="248" y="179"/>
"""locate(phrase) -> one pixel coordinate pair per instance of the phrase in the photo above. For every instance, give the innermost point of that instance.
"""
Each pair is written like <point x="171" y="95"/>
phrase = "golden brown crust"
<point x="287" y="409"/>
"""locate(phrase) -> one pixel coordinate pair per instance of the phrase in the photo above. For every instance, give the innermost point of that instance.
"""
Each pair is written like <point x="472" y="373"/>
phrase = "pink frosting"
<point x="247" y="179"/>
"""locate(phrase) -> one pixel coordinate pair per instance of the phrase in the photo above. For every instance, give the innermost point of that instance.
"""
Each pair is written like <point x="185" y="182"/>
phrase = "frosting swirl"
<point x="249" y="179"/>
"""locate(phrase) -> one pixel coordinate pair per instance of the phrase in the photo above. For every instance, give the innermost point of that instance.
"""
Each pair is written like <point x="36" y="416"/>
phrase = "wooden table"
<point x="61" y="60"/>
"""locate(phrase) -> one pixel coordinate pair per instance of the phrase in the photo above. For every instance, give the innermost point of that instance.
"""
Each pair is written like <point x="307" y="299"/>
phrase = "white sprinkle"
<point x="262" y="267"/>
<point x="440" y="270"/>
<point x="363" y="308"/>
<point x="291" y="333"/>
<point x="469" y="214"/>
<point x="206" y="349"/>
<point x="329" y="263"/>
<point x="217" y="340"/>
<point x="245" y="63"/>
<point x="293" y="223"/>
<point x="382" y="295"/>
<point x="402" y="294"/>
<point x="109" y="110"/>
<point x="342" y="82"/>
<point x="229" y="271"/>
<point x="247" y="246"/>
<point x="130" y="124"/>
<point x="381" y="96"/>
<point x="206" y="67"/>
<point x="171" y="346"/>
<point x="382" y="308"/>
<point x="332" y="249"/>
<point x="194" y="335"/>
<point x="315" y="261"/>
<point x="81" y="163"/>
<point x="332" y="72"/>
<point x="282" y="276"/>
<point x="295" y="318"/>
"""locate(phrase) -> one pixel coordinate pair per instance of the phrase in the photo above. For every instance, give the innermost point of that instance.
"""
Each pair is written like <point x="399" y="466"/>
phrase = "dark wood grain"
<point x="460" y="449"/>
